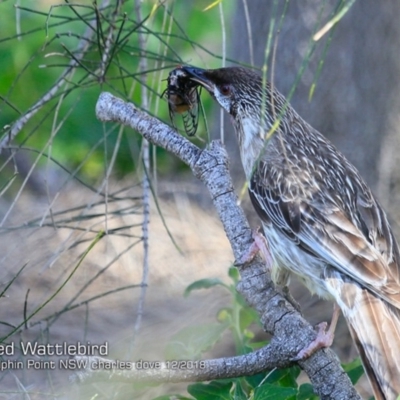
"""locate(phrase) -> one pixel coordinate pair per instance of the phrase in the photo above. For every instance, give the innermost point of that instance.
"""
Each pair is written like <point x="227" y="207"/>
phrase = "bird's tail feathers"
<point x="375" y="327"/>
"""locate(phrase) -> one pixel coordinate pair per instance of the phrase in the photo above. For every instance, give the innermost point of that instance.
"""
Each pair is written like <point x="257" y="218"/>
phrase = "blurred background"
<point x="101" y="233"/>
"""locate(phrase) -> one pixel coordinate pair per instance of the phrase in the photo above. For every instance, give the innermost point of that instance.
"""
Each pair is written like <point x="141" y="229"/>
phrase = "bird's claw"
<point x="259" y="245"/>
<point x="324" y="339"/>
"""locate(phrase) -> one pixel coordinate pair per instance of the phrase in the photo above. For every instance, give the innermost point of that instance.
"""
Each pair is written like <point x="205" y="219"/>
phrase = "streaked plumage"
<point x="321" y="220"/>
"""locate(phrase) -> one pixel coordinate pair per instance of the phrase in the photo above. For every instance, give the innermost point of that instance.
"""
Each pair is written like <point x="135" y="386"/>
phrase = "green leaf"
<point x="306" y="392"/>
<point x="255" y="380"/>
<point x="257" y="345"/>
<point x="274" y="392"/>
<point x="224" y="315"/>
<point x="203" y="284"/>
<point x="284" y="377"/>
<point x="239" y="299"/>
<point x="190" y="342"/>
<point x="238" y="391"/>
<point x="233" y="273"/>
<point x="213" y="390"/>
<point x="172" y="397"/>
<point x="354" y="370"/>
<point x="246" y="317"/>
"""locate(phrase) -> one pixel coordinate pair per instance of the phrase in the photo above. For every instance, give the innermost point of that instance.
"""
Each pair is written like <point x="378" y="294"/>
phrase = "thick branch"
<point x="181" y="371"/>
<point x="290" y="331"/>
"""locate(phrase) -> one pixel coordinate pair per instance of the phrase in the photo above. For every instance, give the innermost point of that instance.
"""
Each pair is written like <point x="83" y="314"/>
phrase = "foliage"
<point x="240" y="320"/>
<point x="97" y="47"/>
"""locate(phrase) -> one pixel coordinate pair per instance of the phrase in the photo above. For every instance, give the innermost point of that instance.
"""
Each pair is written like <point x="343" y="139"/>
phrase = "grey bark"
<point x="291" y="331"/>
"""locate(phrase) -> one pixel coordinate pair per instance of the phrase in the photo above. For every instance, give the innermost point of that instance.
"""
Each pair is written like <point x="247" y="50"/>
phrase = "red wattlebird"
<point x="320" y="219"/>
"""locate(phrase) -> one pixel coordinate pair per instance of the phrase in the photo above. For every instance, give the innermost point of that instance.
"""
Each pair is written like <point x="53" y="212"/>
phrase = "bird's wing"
<point x="359" y="242"/>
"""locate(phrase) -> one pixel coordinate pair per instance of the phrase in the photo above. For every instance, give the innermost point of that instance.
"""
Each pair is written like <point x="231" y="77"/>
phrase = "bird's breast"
<point x="289" y="257"/>
<point x="251" y="143"/>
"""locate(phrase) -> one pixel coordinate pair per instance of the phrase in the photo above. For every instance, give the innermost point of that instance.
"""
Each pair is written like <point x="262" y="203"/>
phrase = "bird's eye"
<point x="225" y="90"/>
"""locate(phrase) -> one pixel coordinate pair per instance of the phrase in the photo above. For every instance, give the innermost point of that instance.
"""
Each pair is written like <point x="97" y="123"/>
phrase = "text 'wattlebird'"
<point x="320" y="219"/>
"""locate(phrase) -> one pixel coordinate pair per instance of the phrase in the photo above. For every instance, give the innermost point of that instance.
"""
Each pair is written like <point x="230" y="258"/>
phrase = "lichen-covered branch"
<point x="290" y="331"/>
<point x="180" y="371"/>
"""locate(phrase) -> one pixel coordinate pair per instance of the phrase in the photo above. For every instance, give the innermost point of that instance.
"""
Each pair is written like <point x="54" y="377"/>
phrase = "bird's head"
<point x="241" y="93"/>
<point x="238" y="90"/>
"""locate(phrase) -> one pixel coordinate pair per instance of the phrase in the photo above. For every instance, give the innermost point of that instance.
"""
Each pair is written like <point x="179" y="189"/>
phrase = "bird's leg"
<point x="259" y="245"/>
<point x="290" y="299"/>
<point x="324" y="337"/>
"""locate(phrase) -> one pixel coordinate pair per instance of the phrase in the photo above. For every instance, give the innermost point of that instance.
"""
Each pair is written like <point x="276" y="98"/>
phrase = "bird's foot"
<point x="259" y="245"/>
<point x="324" y="337"/>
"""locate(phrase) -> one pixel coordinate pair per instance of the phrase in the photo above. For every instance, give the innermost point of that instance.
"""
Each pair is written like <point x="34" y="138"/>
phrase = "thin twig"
<point x="223" y="34"/>
<point x="145" y="179"/>
<point x="249" y="30"/>
<point x="82" y="47"/>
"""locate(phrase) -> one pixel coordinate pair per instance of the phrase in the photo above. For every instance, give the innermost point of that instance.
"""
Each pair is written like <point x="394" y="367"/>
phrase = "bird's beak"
<point x="200" y="76"/>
